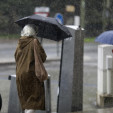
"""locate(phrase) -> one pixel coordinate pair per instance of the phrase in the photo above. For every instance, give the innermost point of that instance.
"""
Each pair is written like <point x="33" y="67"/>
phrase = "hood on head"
<point x="24" y="41"/>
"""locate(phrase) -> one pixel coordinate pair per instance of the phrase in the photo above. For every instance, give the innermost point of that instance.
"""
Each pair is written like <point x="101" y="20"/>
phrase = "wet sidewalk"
<point x="52" y="49"/>
<point x="108" y="110"/>
<point x="8" y="47"/>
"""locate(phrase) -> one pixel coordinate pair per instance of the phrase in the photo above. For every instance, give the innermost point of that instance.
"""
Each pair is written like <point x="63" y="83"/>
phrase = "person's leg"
<point x="29" y="111"/>
<point x="25" y="111"/>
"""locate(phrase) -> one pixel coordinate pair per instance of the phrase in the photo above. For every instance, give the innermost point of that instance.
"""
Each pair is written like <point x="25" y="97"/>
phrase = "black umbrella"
<point x="48" y="27"/>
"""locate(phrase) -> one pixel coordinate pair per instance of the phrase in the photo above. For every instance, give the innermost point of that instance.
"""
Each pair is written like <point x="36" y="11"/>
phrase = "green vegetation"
<point x="9" y="36"/>
<point x="16" y="36"/>
<point x="89" y="39"/>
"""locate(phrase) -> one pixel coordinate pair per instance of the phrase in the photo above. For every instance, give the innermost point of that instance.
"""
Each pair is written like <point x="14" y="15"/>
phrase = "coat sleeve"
<point x="41" y="50"/>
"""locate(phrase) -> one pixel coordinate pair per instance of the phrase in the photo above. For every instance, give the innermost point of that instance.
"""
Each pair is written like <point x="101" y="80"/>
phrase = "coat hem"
<point x="33" y="108"/>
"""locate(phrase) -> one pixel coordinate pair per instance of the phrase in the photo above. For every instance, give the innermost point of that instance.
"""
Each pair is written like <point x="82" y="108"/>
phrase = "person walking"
<point x="30" y="71"/>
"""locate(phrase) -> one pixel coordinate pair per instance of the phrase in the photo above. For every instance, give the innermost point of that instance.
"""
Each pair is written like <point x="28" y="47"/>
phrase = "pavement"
<point x="53" y="51"/>
<point x="108" y="110"/>
<point x="8" y="47"/>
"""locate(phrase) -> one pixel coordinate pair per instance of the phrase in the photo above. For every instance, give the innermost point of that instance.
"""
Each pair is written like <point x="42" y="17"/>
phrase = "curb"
<point x="13" y="62"/>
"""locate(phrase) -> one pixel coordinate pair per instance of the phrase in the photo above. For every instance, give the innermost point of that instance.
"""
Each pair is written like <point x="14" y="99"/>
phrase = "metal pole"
<point x="108" y="4"/>
<point x="41" y="40"/>
<point x="103" y="15"/>
<point x="60" y="71"/>
<point x="57" y="48"/>
<point x="82" y="13"/>
<point x="48" y="94"/>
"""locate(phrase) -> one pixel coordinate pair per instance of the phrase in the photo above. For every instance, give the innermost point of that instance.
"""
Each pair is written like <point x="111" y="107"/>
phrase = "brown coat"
<point x="30" y="89"/>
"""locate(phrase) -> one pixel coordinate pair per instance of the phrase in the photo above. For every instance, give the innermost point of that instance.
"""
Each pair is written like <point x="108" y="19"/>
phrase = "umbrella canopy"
<point x="48" y="27"/>
<point x="105" y="37"/>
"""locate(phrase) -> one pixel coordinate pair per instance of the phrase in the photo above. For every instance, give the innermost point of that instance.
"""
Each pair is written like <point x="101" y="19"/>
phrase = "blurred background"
<point x="95" y="16"/>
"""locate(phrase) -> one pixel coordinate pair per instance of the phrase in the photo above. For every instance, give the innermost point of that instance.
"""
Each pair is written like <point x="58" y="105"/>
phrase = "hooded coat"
<point x="30" y="90"/>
